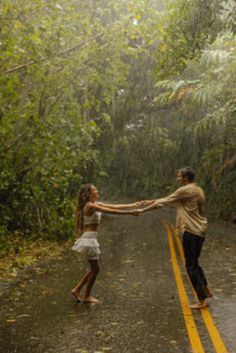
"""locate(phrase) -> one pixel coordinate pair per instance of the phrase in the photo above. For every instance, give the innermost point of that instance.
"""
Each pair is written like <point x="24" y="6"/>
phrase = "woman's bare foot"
<point x="76" y="296"/>
<point x="200" y="305"/>
<point x="90" y="299"/>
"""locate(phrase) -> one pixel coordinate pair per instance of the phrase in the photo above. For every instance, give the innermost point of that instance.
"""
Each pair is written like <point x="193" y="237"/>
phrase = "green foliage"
<point x="81" y="100"/>
<point x="208" y="102"/>
<point x="190" y="25"/>
<point x="56" y="83"/>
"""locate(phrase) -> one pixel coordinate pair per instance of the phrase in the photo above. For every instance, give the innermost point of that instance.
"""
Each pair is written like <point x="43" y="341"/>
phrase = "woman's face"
<point x="94" y="194"/>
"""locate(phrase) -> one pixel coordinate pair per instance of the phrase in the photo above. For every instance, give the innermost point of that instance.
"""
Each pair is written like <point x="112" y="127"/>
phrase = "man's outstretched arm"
<point x="170" y="200"/>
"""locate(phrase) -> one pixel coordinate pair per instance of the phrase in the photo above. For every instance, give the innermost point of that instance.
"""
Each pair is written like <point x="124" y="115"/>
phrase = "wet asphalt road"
<point x="139" y="310"/>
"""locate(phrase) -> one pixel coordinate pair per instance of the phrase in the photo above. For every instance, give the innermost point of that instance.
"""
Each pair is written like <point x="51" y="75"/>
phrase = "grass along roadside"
<point x="24" y="253"/>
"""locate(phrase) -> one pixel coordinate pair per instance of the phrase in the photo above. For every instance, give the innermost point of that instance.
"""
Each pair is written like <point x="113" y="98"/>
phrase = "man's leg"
<point x="198" y="252"/>
<point x="192" y="245"/>
<point x="201" y="273"/>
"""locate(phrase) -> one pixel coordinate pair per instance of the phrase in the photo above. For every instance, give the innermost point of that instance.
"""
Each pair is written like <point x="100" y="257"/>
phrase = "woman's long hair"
<point x="83" y="197"/>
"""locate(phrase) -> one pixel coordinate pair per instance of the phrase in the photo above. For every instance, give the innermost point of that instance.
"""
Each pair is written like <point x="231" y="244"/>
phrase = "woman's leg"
<point x="76" y="290"/>
<point x="90" y="281"/>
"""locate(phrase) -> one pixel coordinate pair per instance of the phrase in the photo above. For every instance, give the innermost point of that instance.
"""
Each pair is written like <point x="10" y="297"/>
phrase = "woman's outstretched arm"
<point x="97" y="207"/>
<point x="120" y="206"/>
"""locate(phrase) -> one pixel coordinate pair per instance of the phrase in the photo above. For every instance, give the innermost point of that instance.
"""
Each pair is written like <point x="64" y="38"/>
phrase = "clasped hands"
<point x="146" y="204"/>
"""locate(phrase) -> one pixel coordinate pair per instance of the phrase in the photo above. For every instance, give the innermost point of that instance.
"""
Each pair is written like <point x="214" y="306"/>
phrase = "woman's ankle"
<point x="90" y="299"/>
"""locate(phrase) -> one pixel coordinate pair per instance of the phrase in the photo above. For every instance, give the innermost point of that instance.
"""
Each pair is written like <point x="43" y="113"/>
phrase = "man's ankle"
<point x="208" y="292"/>
<point x="201" y="304"/>
<point x="202" y="301"/>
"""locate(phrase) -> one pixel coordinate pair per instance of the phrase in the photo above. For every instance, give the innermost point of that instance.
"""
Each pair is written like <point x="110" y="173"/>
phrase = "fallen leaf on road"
<point x="99" y="333"/>
<point x="127" y="261"/>
<point x="135" y="285"/>
<point x="114" y="285"/>
<point x="218" y="289"/>
<point x="48" y="291"/>
<point x="114" y="323"/>
<point x="23" y="315"/>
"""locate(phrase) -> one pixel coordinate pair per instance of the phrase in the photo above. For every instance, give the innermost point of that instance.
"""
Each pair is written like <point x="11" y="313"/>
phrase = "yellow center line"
<point x="207" y="318"/>
<point x="188" y="317"/>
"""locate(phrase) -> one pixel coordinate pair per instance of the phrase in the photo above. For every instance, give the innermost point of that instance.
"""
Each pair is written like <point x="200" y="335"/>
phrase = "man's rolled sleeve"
<point x="172" y="199"/>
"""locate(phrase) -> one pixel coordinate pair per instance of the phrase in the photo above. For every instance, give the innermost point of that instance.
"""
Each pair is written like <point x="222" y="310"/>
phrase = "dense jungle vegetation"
<point x="119" y="93"/>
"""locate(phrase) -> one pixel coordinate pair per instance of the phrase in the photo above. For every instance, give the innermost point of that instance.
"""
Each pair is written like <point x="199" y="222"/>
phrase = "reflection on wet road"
<point x="140" y="309"/>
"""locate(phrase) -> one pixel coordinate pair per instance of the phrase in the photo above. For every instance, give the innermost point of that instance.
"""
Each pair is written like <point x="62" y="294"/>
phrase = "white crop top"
<point x="95" y="218"/>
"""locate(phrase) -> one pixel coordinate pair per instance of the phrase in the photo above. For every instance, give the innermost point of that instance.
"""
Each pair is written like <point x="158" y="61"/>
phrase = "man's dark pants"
<point x="192" y="245"/>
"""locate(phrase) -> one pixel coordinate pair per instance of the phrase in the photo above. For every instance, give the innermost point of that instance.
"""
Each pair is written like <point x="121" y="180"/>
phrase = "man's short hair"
<point x="188" y="173"/>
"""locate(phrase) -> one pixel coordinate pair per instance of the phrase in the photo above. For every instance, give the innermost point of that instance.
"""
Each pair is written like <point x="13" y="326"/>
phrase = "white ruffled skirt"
<point x="87" y="246"/>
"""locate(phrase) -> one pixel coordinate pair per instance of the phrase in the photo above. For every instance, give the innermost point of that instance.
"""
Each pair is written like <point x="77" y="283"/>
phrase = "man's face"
<point x="180" y="179"/>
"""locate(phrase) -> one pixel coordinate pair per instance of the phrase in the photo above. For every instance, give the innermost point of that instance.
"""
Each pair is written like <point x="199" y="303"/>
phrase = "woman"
<point x="88" y="216"/>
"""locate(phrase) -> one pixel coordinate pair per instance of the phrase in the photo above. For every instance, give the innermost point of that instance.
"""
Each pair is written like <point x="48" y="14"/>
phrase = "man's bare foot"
<point x="208" y="293"/>
<point x="90" y="299"/>
<point x="76" y="296"/>
<point x="200" y="305"/>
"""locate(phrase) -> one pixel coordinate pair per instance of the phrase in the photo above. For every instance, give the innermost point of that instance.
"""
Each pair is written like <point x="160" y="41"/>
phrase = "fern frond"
<point x="163" y="99"/>
<point x="214" y="57"/>
<point x="176" y="90"/>
<point x="227" y="164"/>
<point x="218" y="118"/>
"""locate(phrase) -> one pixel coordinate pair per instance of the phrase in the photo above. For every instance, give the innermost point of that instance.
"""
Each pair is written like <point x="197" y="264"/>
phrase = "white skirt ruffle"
<point x="87" y="246"/>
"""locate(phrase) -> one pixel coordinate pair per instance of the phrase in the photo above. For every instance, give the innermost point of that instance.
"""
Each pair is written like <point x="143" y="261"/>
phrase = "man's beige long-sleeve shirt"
<point x="189" y="201"/>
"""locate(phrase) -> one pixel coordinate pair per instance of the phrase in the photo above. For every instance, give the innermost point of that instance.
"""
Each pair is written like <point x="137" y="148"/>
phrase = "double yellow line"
<point x="189" y="320"/>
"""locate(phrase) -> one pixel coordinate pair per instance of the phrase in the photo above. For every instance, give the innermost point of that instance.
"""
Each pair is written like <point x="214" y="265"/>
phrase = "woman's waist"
<point x="89" y="235"/>
<point x="90" y="227"/>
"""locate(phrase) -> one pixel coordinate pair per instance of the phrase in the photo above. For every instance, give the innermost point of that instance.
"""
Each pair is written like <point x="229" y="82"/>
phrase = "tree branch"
<point x="61" y="53"/>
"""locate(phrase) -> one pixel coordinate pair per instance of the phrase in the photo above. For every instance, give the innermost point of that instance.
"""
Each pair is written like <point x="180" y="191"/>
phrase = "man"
<point x="191" y="222"/>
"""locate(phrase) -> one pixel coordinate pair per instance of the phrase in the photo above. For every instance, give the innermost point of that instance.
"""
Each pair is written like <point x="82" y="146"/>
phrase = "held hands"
<point x="138" y="204"/>
<point x="151" y="206"/>
<point x="136" y="211"/>
<point x="143" y="203"/>
<point x="146" y="204"/>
